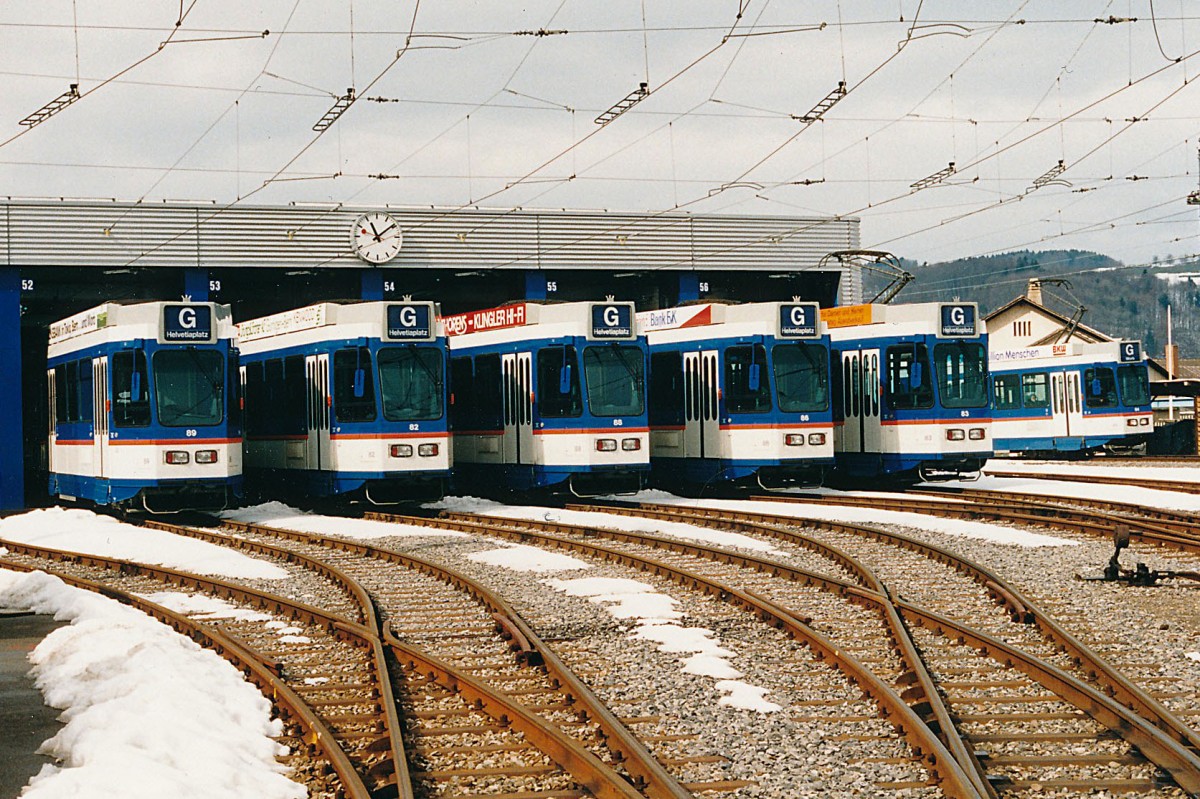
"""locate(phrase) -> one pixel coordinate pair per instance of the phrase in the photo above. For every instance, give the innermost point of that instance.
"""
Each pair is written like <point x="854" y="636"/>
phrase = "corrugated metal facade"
<point x="113" y="234"/>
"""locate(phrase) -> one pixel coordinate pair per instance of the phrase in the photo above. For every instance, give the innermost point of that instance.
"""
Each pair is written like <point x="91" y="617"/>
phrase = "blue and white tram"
<point x="143" y="407"/>
<point x="549" y="396"/>
<point x="910" y="390"/>
<point x="1075" y="397"/>
<point x="738" y="393"/>
<point x="346" y="401"/>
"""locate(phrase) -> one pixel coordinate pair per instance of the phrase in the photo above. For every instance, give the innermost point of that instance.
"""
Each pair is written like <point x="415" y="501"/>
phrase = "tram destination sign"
<point x="612" y="321"/>
<point x="1131" y="351"/>
<point x="799" y="320"/>
<point x="410" y="321"/>
<point x="188" y="324"/>
<point x="958" y="320"/>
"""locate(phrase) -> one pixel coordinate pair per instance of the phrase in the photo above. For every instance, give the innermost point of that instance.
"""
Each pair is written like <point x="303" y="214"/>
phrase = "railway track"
<point x="1101" y="479"/>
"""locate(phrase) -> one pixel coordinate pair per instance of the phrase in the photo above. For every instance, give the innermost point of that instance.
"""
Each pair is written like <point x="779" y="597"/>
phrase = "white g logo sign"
<point x="798" y="316"/>
<point x="187" y="318"/>
<point x="612" y="316"/>
<point x="408" y="317"/>
<point x="958" y="315"/>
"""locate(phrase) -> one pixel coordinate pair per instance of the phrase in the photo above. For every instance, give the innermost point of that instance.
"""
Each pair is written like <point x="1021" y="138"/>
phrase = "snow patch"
<point x="524" y="558"/>
<point x="276" y="514"/>
<point x="655" y="620"/>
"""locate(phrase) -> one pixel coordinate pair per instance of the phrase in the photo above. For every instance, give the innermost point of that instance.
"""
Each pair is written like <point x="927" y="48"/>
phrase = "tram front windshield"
<point x="190" y="387"/>
<point x="961" y="374"/>
<point x="1135" y="387"/>
<point x="801" y="377"/>
<point x="616" y="380"/>
<point x="411" y="384"/>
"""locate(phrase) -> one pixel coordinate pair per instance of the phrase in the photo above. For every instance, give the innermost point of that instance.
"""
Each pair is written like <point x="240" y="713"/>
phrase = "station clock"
<point x="376" y="237"/>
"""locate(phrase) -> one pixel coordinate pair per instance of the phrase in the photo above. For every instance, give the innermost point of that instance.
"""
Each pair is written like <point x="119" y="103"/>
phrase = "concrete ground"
<point x="24" y="719"/>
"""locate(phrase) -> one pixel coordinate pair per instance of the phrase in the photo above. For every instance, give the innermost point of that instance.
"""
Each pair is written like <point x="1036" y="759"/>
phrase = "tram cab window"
<point x="353" y="385"/>
<point x="1035" y="390"/>
<point x="666" y="388"/>
<point x="801" y="377"/>
<point x="1006" y="392"/>
<point x="961" y="374"/>
<point x="189" y="385"/>
<point x="1099" y="387"/>
<point x="908" y="383"/>
<point x="411" y="383"/>
<point x="1135" y="389"/>
<point x="747" y="384"/>
<point x="616" y="380"/>
<point x="131" y="389"/>
<point x="558" y="388"/>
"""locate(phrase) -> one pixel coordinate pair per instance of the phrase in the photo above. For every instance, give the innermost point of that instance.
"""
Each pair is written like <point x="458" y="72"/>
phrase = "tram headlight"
<point x="816" y="439"/>
<point x="401" y="450"/>
<point x="955" y="434"/>
<point x="177" y="457"/>
<point x="427" y="450"/>
<point x="206" y="456"/>
<point x="794" y="439"/>
<point x="976" y="434"/>
<point x="631" y="444"/>
<point x="606" y="445"/>
<point x="1145" y="420"/>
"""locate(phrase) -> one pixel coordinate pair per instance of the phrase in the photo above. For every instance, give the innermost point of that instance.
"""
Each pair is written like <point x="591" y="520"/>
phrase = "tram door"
<point x="702" y="429"/>
<point x="316" y="373"/>
<point x="99" y="415"/>
<point x="1066" y="402"/>
<point x="860" y="401"/>
<point x="518" y="407"/>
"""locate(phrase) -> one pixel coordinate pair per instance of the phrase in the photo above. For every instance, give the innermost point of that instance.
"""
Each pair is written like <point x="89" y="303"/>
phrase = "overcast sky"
<point x="483" y="110"/>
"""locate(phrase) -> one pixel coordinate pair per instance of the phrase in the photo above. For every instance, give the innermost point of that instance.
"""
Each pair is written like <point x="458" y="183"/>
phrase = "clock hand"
<point x="373" y="230"/>
<point x="385" y="230"/>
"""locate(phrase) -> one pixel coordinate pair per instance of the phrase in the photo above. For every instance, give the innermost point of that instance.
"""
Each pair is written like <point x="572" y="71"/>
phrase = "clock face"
<point x="376" y="237"/>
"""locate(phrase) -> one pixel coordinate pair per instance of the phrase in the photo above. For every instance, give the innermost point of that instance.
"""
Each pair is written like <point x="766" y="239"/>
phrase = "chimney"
<point x="1033" y="292"/>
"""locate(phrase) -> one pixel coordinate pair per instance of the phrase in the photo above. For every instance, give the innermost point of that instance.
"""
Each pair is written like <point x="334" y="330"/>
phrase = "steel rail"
<point x="1018" y="606"/>
<point x="921" y="695"/>
<point x="319" y="736"/>
<point x="362" y="634"/>
<point x="1182" y="487"/>
<point x="529" y="647"/>
<point x="1020" y="510"/>
<point x="954" y="780"/>
<point x="583" y="766"/>
<point x="1182" y="764"/>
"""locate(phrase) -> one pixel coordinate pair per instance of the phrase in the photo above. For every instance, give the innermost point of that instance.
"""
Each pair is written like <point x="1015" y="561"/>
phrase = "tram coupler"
<point x="1140" y="576"/>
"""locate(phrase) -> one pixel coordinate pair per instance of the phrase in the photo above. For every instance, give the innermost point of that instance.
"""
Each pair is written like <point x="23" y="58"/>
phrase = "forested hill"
<point x="1123" y="302"/>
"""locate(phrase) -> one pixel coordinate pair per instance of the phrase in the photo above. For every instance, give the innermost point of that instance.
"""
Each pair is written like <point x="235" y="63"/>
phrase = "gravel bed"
<point x="785" y="754"/>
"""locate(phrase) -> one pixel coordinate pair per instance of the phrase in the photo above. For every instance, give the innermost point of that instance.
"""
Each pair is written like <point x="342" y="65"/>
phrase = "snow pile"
<point x="523" y="558"/>
<point x="84" y="531"/>
<point x="148" y="712"/>
<point x="656" y="620"/>
<point x="276" y="514"/>
<point x="1192" y="655"/>
<point x="609" y="521"/>
<point x="1136" y="495"/>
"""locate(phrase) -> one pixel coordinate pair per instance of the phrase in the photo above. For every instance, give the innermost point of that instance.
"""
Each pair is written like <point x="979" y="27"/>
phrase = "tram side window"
<point x="666" y="388"/>
<point x="1006" y="392"/>
<point x="257" y="407"/>
<point x="85" y="390"/>
<point x="1100" y="387"/>
<point x="488" y="393"/>
<point x="295" y="395"/>
<point x="73" y="401"/>
<point x="747" y="384"/>
<point x="1134" y="387"/>
<point x="908" y="382"/>
<point x="62" y="395"/>
<point x="353" y="385"/>
<point x="558" y="391"/>
<point x="1035" y="390"/>
<point x="462" y="393"/>
<point x="131" y="389"/>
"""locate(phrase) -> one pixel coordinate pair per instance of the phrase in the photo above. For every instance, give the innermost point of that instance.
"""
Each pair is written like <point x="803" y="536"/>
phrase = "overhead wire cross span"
<point x="53" y="107"/>
<point x="632" y="99"/>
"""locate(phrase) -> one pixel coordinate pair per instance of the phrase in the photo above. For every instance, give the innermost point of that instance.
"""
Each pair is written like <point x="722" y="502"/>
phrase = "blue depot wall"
<point x="12" y="449"/>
